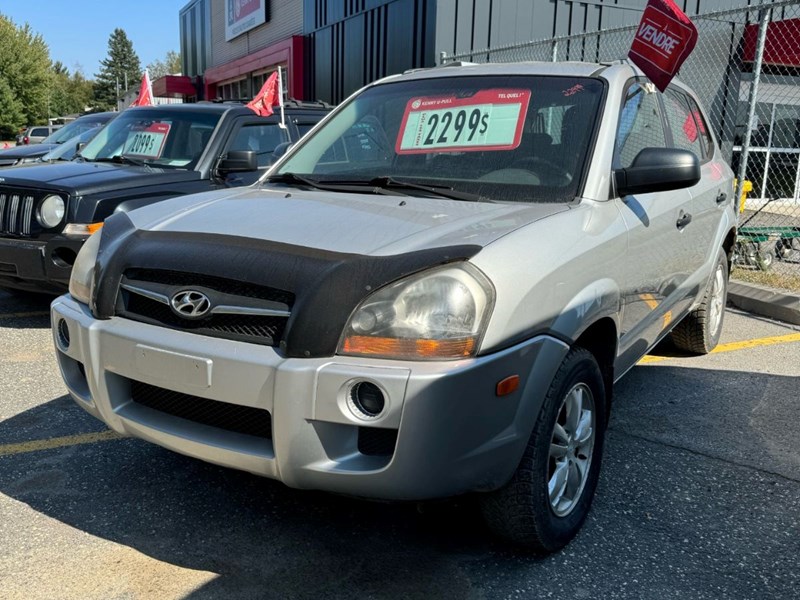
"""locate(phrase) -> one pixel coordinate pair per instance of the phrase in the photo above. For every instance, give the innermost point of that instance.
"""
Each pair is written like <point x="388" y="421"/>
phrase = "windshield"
<point x="67" y="150"/>
<point x="172" y="139"/>
<point x="511" y="138"/>
<point x="72" y="129"/>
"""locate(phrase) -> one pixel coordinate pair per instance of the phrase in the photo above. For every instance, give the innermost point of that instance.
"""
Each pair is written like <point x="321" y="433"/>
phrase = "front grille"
<point x="220" y="284"/>
<point x="258" y="329"/>
<point x="261" y="329"/>
<point x="16" y="213"/>
<point x="213" y="413"/>
<point x="375" y="441"/>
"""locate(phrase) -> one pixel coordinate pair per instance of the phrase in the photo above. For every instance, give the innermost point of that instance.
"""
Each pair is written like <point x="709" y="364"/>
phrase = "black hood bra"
<point x="328" y="286"/>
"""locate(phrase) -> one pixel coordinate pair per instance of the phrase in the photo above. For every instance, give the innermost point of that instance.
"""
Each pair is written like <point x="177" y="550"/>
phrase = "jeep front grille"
<point x="16" y="213"/>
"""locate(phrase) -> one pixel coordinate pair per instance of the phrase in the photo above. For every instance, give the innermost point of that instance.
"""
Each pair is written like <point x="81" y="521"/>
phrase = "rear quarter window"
<point x="686" y="133"/>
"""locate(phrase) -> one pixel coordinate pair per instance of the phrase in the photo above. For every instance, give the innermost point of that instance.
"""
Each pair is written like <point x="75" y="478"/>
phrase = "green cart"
<point x="759" y="246"/>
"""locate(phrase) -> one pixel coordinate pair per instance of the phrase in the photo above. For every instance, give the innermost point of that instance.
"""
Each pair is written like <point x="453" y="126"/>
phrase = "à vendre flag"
<point x="145" y="97"/>
<point x="267" y="97"/>
<point x="664" y="40"/>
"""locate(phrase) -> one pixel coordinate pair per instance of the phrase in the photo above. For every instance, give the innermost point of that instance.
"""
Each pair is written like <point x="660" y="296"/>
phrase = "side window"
<point x="685" y="132"/>
<point x="640" y="124"/>
<point x="40" y="131"/>
<point x="261" y="138"/>
<point x="304" y="128"/>
<point x="702" y="127"/>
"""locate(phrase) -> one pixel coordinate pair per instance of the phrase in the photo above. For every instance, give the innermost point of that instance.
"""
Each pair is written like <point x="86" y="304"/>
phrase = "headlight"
<point x="51" y="211"/>
<point x="81" y="281"/>
<point x="437" y="314"/>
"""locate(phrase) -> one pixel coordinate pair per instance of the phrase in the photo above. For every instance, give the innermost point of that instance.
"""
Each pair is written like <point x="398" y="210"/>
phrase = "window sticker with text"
<point x="487" y="120"/>
<point x="146" y="141"/>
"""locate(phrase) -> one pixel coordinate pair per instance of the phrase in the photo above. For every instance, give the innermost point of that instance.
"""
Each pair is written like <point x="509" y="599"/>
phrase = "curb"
<point x="765" y="301"/>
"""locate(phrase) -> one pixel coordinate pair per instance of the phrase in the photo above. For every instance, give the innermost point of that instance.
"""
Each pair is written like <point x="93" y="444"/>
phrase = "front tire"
<point x="547" y="500"/>
<point x="700" y="330"/>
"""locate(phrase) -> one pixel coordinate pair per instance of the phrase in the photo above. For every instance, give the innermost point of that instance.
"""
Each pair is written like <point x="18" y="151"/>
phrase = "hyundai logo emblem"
<point x="190" y="304"/>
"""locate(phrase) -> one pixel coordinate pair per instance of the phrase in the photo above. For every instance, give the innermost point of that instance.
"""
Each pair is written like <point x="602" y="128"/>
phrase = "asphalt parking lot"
<point x="699" y="498"/>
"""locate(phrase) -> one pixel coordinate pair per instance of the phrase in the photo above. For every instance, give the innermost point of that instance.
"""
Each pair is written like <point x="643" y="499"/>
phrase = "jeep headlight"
<point x="81" y="281"/>
<point x="51" y="211"/>
<point x="437" y="314"/>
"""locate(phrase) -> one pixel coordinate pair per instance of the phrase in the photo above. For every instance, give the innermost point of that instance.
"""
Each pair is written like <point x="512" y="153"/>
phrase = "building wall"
<point x="353" y="42"/>
<point x="286" y="20"/>
<point x="237" y="68"/>
<point x="195" y="28"/>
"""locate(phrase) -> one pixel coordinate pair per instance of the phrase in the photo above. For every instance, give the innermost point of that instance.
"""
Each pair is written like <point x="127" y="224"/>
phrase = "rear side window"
<point x="40" y="132"/>
<point x="640" y="124"/>
<point x="702" y="126"/>
<point x="686" y="133"/>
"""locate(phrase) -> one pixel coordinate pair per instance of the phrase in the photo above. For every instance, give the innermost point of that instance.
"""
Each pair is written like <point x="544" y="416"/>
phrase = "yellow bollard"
<point x="746" y="189"/>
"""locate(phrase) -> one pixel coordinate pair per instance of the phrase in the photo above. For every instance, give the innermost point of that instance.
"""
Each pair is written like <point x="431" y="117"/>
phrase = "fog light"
<point x="367" y="400"/>
<point x="63" y="334"/>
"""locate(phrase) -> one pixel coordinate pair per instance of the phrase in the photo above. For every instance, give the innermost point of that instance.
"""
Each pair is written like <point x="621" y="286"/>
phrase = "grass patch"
<point x="789" y="282"/>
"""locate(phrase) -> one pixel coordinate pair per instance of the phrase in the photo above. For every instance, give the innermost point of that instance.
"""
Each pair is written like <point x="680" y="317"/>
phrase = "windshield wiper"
<point x="295" y="179"/>
<point x="378" y="185"/>
<point x="121" y="159"/>
<point x="390" y="183"/>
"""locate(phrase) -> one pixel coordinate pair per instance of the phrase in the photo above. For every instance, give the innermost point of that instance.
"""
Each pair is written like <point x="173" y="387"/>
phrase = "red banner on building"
<point x="663" y="41"/>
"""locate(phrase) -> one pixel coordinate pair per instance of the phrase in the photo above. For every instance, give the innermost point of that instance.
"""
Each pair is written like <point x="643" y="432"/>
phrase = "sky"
<point x="77" y="31"/>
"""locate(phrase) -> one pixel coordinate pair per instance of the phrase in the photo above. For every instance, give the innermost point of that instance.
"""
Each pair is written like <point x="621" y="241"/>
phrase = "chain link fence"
<point x="746" y="70"/>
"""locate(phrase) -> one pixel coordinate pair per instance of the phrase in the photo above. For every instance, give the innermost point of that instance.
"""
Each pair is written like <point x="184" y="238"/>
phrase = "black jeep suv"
<point x="145" y="155"/>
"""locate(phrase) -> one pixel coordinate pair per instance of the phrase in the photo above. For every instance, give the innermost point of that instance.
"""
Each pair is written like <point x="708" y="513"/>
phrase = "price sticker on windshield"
<point x="146" y="141"/>
<point x="487" y="120"/>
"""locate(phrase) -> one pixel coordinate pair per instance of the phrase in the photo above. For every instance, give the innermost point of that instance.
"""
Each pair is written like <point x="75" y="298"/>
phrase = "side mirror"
<point x="658" y="170"/>
<point x="281" y="149"/>
<point x="238" y="161"/>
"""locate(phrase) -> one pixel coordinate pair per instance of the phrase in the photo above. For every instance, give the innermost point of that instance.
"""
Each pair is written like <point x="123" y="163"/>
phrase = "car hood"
<point x="341" y="222"/>
<point x="81" y="178"/>
<point x="11" y="155"/>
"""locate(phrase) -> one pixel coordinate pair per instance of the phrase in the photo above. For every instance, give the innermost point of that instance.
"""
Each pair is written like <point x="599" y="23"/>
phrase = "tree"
<point x="24" y="77"/>
<point x="171" y="65"/>
<point x="71" y="94"/>
<point x="118" y="72"/>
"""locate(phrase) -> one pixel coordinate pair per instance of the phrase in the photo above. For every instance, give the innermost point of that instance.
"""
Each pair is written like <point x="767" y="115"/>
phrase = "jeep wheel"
<point x="700" y="330"/>
<point x="548" y="498"/>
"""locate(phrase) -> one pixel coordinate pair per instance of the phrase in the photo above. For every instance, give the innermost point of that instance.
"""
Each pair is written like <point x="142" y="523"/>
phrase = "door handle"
<point x="721" y="197"/>
<point x="683" y="221"/>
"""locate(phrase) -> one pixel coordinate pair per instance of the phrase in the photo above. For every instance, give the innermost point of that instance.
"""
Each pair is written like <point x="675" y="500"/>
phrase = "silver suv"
<point x="36" y="134"/>
<point x="431" y="294"/>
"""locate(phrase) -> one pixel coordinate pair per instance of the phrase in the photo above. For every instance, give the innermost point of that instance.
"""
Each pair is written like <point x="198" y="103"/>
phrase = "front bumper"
<point x="453" y="434"/>
<point x="34" y="265"/>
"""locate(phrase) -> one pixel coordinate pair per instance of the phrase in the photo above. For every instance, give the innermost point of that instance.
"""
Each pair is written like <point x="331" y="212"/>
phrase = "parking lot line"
<point x="59" y="442"/>
<point x="733" y="346"/>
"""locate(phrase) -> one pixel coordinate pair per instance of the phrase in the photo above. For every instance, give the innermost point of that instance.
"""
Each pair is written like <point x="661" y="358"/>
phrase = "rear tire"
<point x="700" y="330"/>
<point x="546" y="502"/>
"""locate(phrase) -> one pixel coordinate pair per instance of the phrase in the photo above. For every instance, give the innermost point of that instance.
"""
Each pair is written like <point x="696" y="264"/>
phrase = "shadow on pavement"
<point x="23" y="310"/>
<point x="666" y="522"/>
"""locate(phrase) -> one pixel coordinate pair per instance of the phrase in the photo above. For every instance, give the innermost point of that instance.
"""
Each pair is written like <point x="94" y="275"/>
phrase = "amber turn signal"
<point x="407" y="348"/>
<point x="507" y="386"/>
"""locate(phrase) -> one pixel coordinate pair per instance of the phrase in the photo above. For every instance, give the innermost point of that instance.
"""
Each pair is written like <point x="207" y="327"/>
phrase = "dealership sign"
<point x="244" y="15"/>
<point x="664" y="39"/>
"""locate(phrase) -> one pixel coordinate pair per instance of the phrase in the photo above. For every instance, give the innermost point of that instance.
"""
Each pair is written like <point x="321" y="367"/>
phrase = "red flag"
<point x="145" y="97"/>
<point x="664" y="40"/>
<point x="267" y="97"/>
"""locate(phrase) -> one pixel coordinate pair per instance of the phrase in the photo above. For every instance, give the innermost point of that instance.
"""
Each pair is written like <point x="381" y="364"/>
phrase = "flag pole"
<point x="280" y="97"/>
